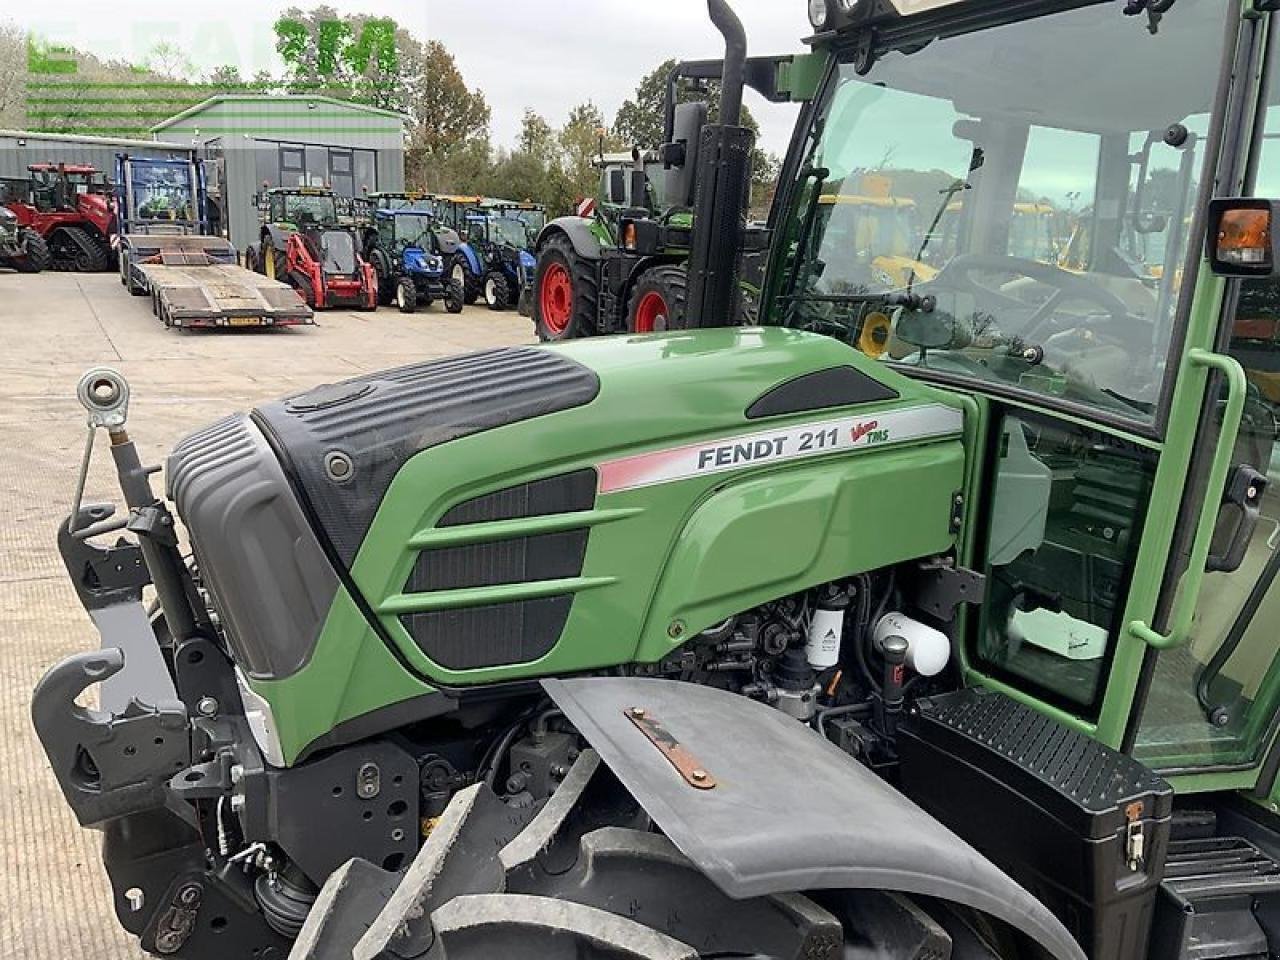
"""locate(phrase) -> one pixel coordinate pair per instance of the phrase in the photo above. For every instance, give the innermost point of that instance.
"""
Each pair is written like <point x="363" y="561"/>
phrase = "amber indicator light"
<point x="1244" y="237"/>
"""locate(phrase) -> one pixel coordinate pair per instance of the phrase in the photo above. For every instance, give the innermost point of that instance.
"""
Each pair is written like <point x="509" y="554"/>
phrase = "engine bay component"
<point x="928" y="649"/>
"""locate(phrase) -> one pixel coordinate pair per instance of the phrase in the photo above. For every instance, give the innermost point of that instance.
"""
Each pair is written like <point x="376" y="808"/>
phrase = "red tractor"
<point x="305" y="244"/>
<point x="72" y="207"/>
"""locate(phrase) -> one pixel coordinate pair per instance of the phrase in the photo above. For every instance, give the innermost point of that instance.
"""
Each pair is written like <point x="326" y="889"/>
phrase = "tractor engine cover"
<point x="533" y="511"/>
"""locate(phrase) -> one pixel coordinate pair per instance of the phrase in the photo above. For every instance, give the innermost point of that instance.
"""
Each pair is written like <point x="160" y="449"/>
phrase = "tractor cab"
<point x="57" y="186"/>
<point x="532" y="215"/>
<point x="301" y="208"/>
<point x="1107" y="603"/>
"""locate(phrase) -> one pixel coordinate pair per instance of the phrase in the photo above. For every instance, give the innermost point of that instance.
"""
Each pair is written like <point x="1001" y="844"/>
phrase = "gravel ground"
<point x="56" y="902"/>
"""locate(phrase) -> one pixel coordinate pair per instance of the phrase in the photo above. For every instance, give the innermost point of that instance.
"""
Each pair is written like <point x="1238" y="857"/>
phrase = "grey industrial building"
<point x="21" y="148"/>
<point x="246" y="142"/>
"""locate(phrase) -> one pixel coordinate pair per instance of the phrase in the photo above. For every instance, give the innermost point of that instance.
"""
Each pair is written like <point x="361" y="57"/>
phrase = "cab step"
<point x="1209" y="902"/>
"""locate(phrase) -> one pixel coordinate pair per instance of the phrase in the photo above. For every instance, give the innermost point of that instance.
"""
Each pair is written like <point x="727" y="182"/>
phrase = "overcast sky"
<point x="544" y="54"/>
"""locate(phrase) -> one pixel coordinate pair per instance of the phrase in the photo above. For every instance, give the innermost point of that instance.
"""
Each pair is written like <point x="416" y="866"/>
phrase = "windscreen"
<point x="162" y="191"/>
<point x="1019" y="219"/>
<point x="305" y="208"/>
<point x="338" y="249"/>
<point x="510" y="231"/>
<point x="413" y="229"/>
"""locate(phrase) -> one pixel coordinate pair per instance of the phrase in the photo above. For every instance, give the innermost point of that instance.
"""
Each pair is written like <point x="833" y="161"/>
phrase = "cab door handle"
<point x="1184" y="606"/>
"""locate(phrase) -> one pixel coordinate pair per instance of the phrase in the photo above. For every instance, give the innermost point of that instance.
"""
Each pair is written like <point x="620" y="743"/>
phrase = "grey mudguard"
<point x="789" y="811"/>
<point x="578" y="230"/>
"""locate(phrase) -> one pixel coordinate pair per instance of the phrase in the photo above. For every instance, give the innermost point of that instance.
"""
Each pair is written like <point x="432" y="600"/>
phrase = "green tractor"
<point x="933" y="620"/>
<point x="620" y="263"/>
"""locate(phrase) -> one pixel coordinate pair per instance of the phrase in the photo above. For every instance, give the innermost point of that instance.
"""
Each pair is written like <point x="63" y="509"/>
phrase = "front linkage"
<point x="152" y="766"/>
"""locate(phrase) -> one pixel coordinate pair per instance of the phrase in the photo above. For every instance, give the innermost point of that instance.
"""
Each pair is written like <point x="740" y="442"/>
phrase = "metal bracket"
<point x="102" y="576"/>
<point x="940" y="587"/>
<point x="108" y="765"/>
<point x="686" y="764"/>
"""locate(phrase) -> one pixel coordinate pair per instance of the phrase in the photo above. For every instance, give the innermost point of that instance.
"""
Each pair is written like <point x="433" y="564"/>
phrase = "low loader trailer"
<point x="194" y="280"/>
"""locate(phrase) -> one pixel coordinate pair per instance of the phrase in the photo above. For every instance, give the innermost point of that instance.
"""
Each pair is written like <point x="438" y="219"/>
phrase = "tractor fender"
<point x="473" y="259"/>
<point x="578" y="229"/>
<point x="279" y="237"/>
<point x="788" y="810"/>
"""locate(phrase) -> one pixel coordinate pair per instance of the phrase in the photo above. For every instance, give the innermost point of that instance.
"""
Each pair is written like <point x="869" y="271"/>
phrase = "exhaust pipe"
<point x="723" y="188"/>
<point x="735" y="60"/>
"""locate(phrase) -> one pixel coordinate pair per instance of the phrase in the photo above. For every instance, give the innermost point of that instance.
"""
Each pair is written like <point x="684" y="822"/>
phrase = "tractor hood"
<point x="537" y="510"/>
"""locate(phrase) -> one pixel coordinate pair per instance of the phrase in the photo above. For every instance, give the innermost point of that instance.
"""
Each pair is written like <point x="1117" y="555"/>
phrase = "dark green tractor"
<point x="927" y="619"/>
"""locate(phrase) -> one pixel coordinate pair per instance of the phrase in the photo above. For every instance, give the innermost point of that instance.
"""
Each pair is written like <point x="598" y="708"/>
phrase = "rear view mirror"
<point x="1242" y="237"/>
<point x="932" y="330"/>
<point x="617" y="187"/>
<point x="1148" y="223"/>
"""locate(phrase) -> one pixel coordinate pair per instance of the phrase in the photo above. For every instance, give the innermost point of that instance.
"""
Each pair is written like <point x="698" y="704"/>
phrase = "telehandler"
<point x="954" y="640"/>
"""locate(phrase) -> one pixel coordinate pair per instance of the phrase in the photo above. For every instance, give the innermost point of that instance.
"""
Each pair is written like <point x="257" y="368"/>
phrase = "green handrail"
<point x="1193" y="579"/>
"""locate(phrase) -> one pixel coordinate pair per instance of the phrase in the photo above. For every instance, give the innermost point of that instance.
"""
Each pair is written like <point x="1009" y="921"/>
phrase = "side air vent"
<point x="477" y="637"/>
<point x="551" y="556"/>
<point x="568" y="493"/>
<point x="495" y="633"/>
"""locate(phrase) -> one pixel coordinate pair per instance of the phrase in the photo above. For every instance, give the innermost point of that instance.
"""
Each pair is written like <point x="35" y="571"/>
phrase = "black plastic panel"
<point x="476" y="637"/>
<point x="1058" y="811"/>
<point x="259" y="557"/>
<point x="379" y="422"/>
<point x="823" y="390"/>
<point x="568" y="493"/>
<point x="552" y="556"/>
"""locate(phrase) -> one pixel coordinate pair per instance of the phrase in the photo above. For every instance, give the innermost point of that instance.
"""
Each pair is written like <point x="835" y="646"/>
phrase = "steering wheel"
<point x="958" y="275"/>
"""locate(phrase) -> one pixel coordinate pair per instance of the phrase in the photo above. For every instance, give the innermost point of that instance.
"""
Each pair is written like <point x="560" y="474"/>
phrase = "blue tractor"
<point x="506" y="267"/>
<point x="402" y="245"/>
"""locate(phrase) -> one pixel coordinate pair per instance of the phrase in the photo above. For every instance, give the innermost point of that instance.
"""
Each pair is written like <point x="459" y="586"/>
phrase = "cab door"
<point x="1208" y="712"/>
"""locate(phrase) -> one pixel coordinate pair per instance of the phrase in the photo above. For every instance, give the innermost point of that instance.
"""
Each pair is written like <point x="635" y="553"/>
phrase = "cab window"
<point x="1065" y="521"/>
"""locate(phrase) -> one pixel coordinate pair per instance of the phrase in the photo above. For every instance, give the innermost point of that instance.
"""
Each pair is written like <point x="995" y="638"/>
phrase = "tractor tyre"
<point x="497" y="290"/>
<point x="454" y="297"/>
<point x="37" y="257"/>
<point x="659" y="301"/>
<point x="471" y="285"/>
<point x="566" y="293"/>
<point x="252" y="261"/>
<point x="406" y="296"/>
<point x="388" y="288"/>
<point x="583" y="880"/>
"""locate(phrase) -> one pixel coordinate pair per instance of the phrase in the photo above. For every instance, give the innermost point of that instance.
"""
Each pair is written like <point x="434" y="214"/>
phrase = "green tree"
<point x="537" y="139"/>
<point x="582" y="139"/>
<point x="448" y="116"/>
<point x="640" y="122"/>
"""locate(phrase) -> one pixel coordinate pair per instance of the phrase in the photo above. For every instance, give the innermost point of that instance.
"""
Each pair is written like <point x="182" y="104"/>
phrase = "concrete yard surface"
<point x="55" y="901"/>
